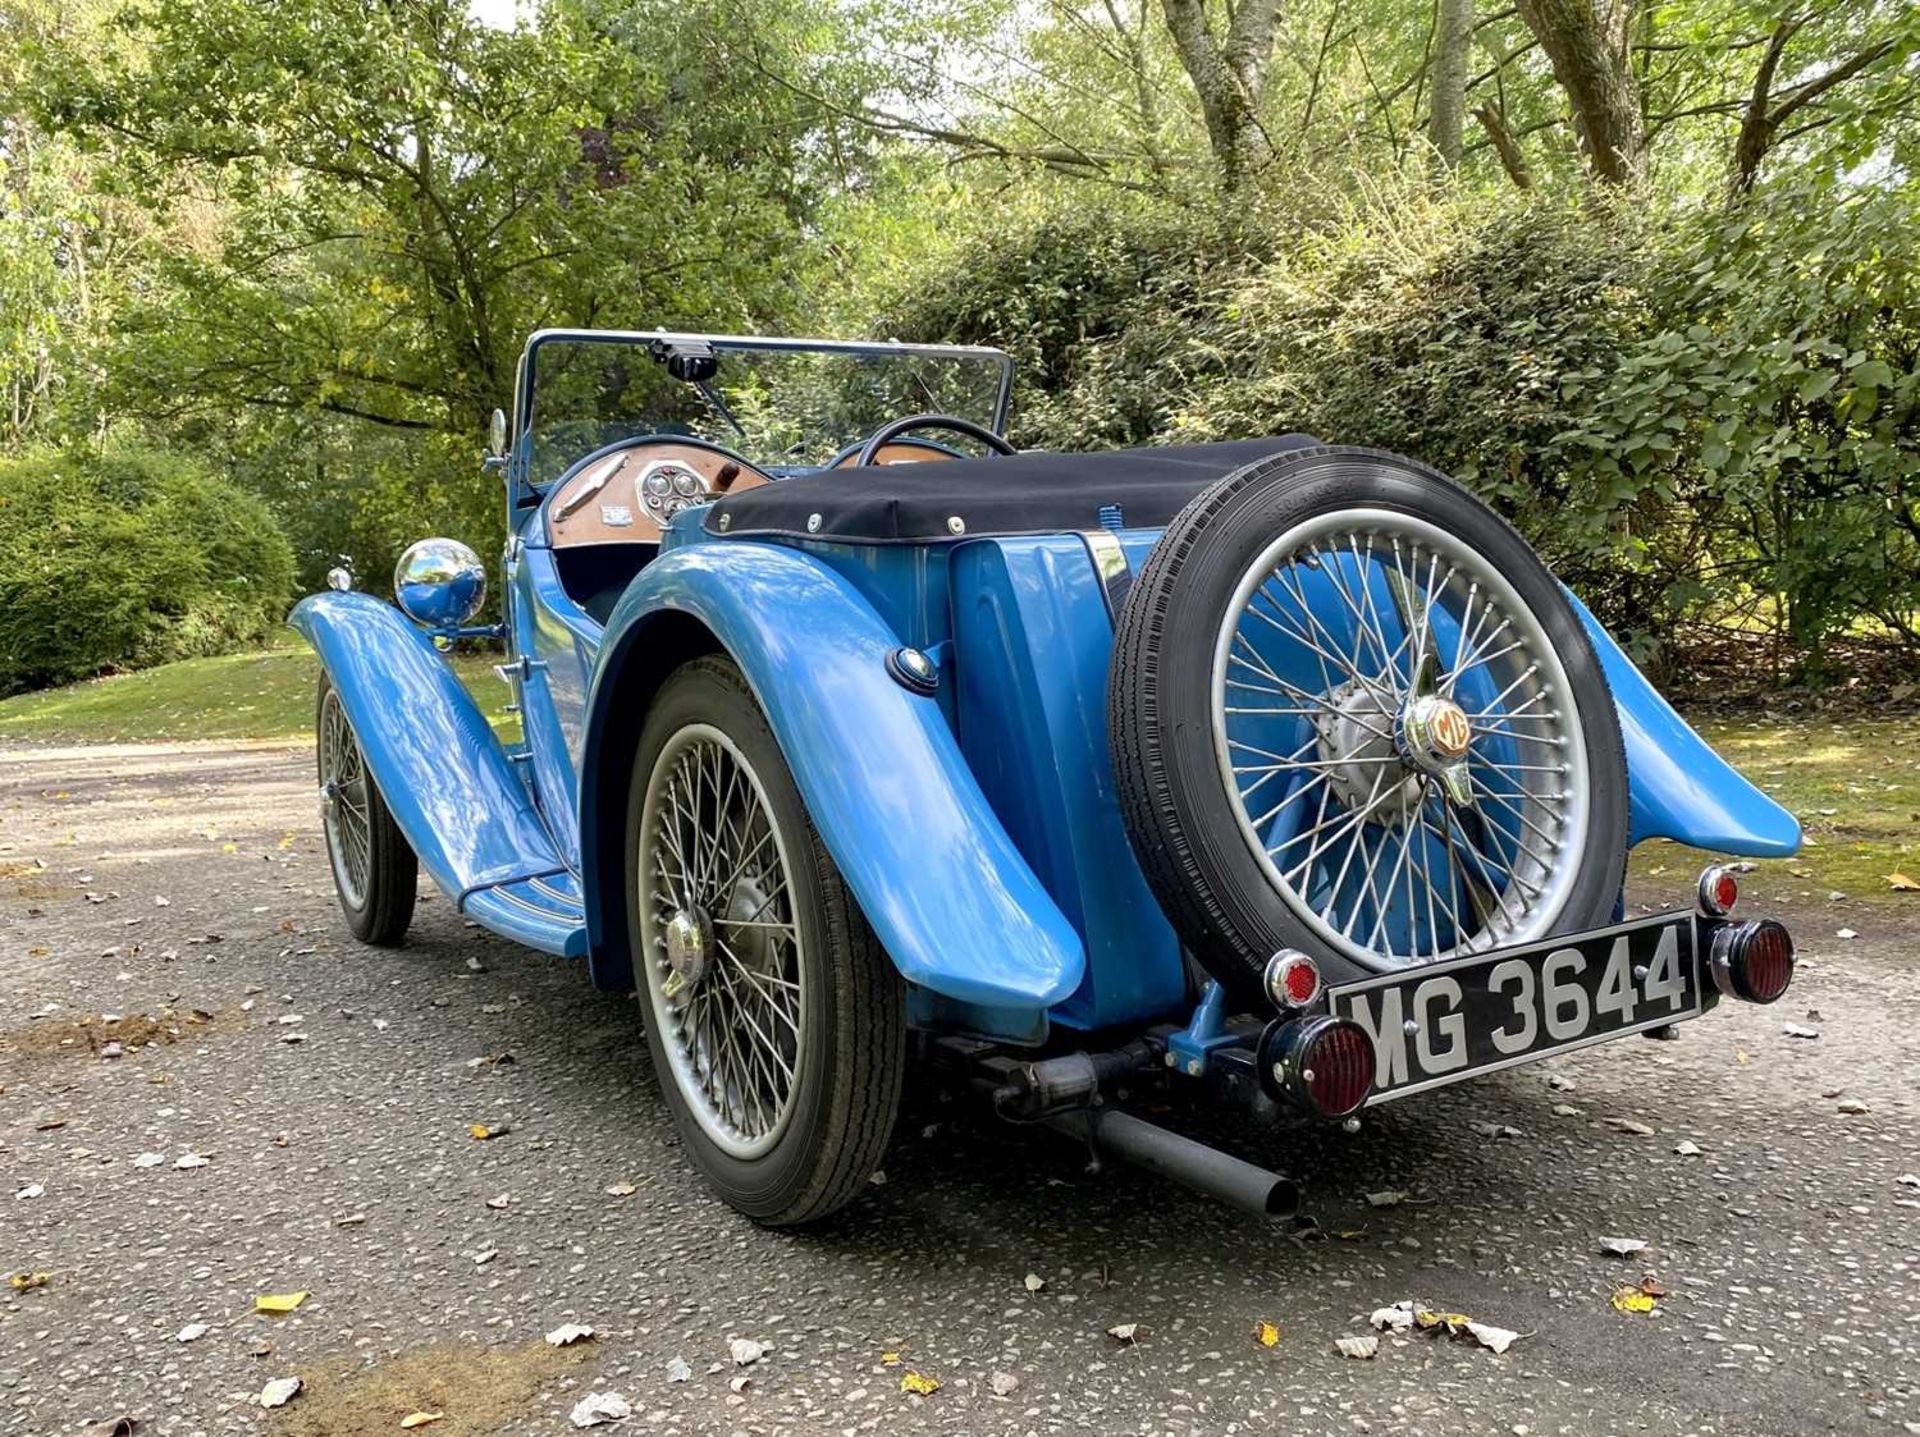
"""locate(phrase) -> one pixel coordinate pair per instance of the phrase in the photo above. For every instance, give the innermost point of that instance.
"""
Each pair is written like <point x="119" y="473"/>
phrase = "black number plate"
<point x="1446" y="1021"/>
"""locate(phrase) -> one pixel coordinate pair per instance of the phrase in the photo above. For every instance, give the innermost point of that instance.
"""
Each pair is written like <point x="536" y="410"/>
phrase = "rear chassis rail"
<point x="1237" y="1064"/>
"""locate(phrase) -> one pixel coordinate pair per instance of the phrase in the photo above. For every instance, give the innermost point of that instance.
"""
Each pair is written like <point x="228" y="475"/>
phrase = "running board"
<point x="543" y="912"/>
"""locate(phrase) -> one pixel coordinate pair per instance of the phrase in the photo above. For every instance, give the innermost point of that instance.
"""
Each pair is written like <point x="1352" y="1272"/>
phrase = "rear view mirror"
<point x="497" y="434"/>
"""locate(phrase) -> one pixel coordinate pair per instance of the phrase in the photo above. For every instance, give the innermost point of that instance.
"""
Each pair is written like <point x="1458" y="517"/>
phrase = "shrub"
<point x="1694" y="415"/>
<point x="128" y="558"/>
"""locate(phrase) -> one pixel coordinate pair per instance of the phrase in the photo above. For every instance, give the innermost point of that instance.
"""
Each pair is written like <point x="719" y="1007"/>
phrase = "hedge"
<point x="127" y="558"/>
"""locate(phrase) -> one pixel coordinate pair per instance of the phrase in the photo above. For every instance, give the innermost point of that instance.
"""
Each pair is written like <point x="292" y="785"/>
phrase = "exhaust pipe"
<point x="1205" y="1170"/>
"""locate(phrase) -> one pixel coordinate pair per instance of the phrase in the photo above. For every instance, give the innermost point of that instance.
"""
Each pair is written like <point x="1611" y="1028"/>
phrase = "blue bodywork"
<point x="978" y="827"/>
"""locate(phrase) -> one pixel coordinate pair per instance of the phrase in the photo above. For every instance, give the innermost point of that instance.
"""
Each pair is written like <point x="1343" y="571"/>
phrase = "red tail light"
<point x="1323" y="1064"/>
<point x="1753" y="961"/>
<point x="1292" y="979"/>
<point x="1719" y="891"/>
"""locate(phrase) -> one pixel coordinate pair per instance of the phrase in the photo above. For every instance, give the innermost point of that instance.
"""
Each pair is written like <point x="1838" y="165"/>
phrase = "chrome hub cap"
<point x="723" y="960"/>
<point x="689" y="945"/>
<point x="1393" y="725"/>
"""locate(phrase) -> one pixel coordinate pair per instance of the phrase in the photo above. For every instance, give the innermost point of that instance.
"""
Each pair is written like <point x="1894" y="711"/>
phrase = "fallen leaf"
<point x="31" y="1190"/>
<point x="1266" y="1334"/>
<point x="1429" y="1321"/>
<point x="598" y="1407"/>
<point x="500" y="1202"/>
<point x="1397" y="1318"/>
<point x="678" y="1370"/>
<point x="622" y="1190"/>
<point x="1494" y="1339"/>
<point x="1566" y="1110"/>
<point x="1900" y="883"/>
<point x="113" y="1427"/>
<point x="740" y="1383"/>
<point x="190" y="1160"/>
<point x="889" y="1359"/>
<point x="278" y="1301"/>
<point x="1845" y="933"/>
<point x="1388" y="1197"/>
<point x="1629" y="1125"/>
<point x="1003" y="1383"/>
<point x="1687" y="1148"/>
<point x="482" y="1133"/>
<point x="28" y="1281"/>
<point x="1357" y="1346"/>
<point x="1653" y="1287"/>
<point x="568" y="1333"/>
<point x="279" y="1392"/>
<point x="1623" y="1246"/>
<point x="1035" y="1282"/>
<point x="747" y="1350"/>
<point x="1123" y="1331"/>
<point x="1632" y="1299"/>
<point x="919" y="1385"/>
<point x="192" y="1332"/>
<point x="421" y="1419"/>
<point x="1853" y="1107"/>
<point x="1796" y="1030"/>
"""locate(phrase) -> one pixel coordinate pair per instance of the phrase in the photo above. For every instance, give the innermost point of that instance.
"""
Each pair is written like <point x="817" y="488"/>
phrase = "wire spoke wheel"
<point x="345" y="810"/>
<point x="375" y="871"/>
<point x="1352" y="713"/>
<point x="1394" y="725"/>
<point x="724" y="957"/>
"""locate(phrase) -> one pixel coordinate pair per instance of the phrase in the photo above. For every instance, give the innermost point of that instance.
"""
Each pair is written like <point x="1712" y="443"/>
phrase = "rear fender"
<point x="895" y="803"/>
<point x="1679" y="787"/>
<point x="444" y="776"/>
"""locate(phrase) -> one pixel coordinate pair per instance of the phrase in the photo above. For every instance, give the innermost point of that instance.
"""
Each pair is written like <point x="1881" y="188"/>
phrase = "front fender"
<point x="444" y="776"/>
<point x="1679" y="788"/>
<point x="929" y="862"/>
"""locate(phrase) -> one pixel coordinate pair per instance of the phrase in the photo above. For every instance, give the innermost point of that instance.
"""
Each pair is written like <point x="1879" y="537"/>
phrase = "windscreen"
<point x="779" y="408"/>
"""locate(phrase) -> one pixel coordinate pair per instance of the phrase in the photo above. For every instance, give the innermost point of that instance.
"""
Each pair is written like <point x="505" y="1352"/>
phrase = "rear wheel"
<point x="776" y="1022"/>
<point x="1353" y="714"/>
<point x="374" y="868"/>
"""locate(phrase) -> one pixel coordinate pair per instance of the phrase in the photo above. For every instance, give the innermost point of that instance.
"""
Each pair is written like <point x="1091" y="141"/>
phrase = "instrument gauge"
<point x="686" y="482"/>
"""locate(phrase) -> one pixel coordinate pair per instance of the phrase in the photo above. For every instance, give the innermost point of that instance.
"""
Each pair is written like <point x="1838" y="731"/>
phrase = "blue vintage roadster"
<point x="1277" y="769"/>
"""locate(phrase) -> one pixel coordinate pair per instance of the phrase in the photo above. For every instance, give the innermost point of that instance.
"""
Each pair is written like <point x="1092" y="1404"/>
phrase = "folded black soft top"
<point x="1035" y="493"/>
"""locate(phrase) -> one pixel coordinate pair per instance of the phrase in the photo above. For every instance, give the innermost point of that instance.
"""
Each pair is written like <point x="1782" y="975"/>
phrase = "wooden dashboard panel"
<point x="900" y="451"/>
<point x="609" y="501"/>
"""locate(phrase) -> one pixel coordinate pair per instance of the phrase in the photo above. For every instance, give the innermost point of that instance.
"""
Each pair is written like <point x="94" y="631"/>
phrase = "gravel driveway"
<point x="330" y="1091"/>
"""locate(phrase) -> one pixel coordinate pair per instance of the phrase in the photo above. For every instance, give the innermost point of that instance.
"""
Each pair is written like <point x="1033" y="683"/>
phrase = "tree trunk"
<point x="1452" y="39"/>
<point x="1227" y="77"/>
<point x="1512" y="159"/>
<point x="1587" y="43"/>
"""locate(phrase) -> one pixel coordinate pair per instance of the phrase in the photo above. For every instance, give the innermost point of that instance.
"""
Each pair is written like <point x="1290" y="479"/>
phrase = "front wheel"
<point x="375" y="871"/>
<point x="776" y="1022"/>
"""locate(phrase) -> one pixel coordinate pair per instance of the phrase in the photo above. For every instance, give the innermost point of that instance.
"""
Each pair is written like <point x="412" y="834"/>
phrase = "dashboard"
<point x="629" y="495"/>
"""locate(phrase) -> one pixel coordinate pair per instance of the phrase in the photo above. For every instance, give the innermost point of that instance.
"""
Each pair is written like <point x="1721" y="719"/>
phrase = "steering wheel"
<point x="888" y="432"/>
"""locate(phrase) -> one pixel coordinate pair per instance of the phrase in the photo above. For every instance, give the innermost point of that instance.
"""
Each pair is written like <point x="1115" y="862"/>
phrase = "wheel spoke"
<point x="713" y="870"/>
<point x="1401" y="873"/>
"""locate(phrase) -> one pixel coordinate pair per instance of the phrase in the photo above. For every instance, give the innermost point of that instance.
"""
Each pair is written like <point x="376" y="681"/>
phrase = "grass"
<point x="267" y="694"/>
<point x="1853" y="783"/>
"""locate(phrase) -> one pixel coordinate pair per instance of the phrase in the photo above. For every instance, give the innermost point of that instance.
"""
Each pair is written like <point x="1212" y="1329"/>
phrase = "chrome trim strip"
<point x="1110" y="566"/>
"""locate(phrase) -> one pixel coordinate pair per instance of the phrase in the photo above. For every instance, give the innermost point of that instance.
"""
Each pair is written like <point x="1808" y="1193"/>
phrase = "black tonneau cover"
<point x="1036" y="493"/>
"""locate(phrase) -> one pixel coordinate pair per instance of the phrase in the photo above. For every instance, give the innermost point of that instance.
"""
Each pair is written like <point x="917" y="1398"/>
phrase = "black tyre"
<point x="776" y="1022"/>
<point x="1352" y="714"/>
<point x="375" y="871"/>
